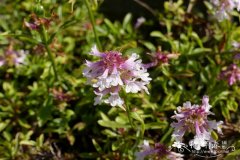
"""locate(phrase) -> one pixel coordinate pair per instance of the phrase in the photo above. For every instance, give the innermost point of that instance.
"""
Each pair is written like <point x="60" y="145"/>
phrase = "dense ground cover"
<point x="104" y="79"/>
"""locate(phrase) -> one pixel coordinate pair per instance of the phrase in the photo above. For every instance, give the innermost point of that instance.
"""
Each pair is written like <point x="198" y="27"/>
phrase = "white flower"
<point x="114" y="100"/>
<point x="114" y="79"/>
<point x="237" y="4"/>
<point x="21" y="58"/>
<point x="199" y="141"/>
<point x="135" y="87"/>
<point x="178" y="144"/>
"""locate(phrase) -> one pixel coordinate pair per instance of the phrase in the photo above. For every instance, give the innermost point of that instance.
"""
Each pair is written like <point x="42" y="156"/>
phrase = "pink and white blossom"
<point x="194" y="119"/>
<point x="11" y="57"/>
<point x="223" y="8"/>
<point x="113" y="73"/>
<point x="161" y="58"/>
<point x="231" y="74"/>
<point x="158" y="151"/>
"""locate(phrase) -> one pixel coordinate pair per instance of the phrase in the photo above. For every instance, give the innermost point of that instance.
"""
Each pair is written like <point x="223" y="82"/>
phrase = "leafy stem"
<point x="50" y="56"/>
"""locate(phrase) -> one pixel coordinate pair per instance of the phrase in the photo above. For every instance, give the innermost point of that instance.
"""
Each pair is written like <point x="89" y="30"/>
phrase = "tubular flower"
<point x="139" y="22"/>
<point x="158" y="151"/>
<point x="112" y="73"/>
<point x="12" y="57"/>
<point x="161" y="58"/>
<point x="224" y="7"/>
<point x="193" y="119"/>
<point x="231" y="74"/>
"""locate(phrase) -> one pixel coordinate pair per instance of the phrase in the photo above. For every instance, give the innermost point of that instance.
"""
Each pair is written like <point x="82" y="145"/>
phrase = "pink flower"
<point x="231" y="74"/>
<point x="114" y="72"/>
<point x="194" y="119"/>
<point x="157" y="151"/>
<point x="161" y="58"/>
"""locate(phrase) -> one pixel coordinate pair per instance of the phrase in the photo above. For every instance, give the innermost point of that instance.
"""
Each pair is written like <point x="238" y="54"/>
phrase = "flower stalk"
<point x="93" y="24"/>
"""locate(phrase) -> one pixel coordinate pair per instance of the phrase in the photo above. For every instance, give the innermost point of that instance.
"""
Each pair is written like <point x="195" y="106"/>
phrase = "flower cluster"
<point x="194" y="119"/>
<point x="60" y="95"/>
<point x="158" y="151"/>
<point x="225" y="7"/>
<point x="36" y="22"/>
<point x="161" y="58"/>
<point x="11" y="57"/>
<point x="231" y="74"/>
<point x="112" y="73"/>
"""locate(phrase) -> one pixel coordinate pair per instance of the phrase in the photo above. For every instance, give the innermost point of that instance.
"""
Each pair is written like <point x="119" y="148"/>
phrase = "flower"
<point x="178" y="144"/>
<point x="231" y="74"/>
<point x="114" y="72"/>
<point x="36" y="22"/>
<point x="194" y="119"/>
<point x="224" y="7"/>
<point x="11" y="57"/>
<point x="237" y="56"/>
<point x="60" y="95"/>
<point x="161" y="58"/>
<point x="157" y="151"/>
<point x="236" y="45"/>
<point x="139" y="22"/>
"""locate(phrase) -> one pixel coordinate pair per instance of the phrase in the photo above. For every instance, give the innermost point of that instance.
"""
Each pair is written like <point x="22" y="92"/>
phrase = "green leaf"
<point x="97" y="146"/>
<point x="70" y="138"/>
<point x="92" y="155"/>
<point x="196" y="37"/>
<point x="79" y="126"/>
<point x="104" y="116"/>
<point x="109" y="133"/>
<point x="28" y="142"/>
<point x="111" y="26"/>
<point x="198" y="51"/>
<point x="127" y="20"/>
<point x="23" y="123"/>
<point x="136" y="116"/>
<point x="225" y="112"/>
<point x="45" y="112"/>
<point x="166" y="135"/>
<point x="4" y="124"/>
<point x="156" y="125"/>
<point x="214" y="135"/>
<point x="149" y="45"/>
<point x="116" y="145"/>
<point x="112" y="124"/>
<point x="233" y="155"/>
<point x="232" y="105"/>
<point x="40" y="140"/>
<point x="158" y="34"/>
<point x="72" y="4"/>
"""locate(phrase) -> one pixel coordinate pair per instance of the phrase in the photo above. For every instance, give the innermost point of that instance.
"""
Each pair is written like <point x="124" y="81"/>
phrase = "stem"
<point x="52" y="61"/>
<point x="147" y="7"/>
<point x="50" y="56"/>
<point x="93" y="24"/>
<point x="129" y="116"/>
